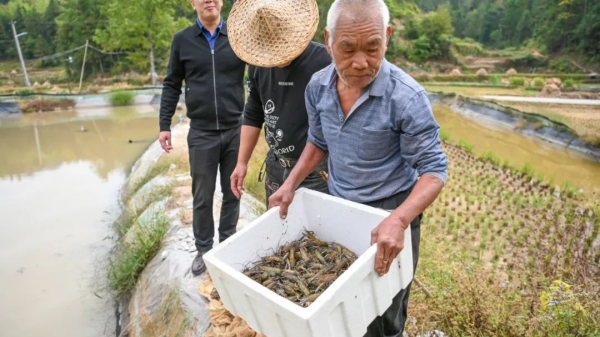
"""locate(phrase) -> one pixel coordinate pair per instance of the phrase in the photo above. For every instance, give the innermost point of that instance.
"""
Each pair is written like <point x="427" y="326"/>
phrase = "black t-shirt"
<point x="276" y="99"/>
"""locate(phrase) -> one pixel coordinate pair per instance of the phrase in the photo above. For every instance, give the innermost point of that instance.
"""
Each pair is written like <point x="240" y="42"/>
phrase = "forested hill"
<point x="129" y="31"/>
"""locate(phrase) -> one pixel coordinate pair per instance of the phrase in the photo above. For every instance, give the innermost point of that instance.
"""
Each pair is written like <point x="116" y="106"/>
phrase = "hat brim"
<point x="272" y="45"/>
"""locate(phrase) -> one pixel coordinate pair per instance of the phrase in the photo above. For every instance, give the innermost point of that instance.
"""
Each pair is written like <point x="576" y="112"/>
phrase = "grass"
<point x="517" y="81"/>
<point x="251" y="183"/>
<point x="132" y="258"/>
<point x="161" y="167"/>
<point x="120" y="98"/>
<point x="569" y="83"/>
<point x="495" y="79"/>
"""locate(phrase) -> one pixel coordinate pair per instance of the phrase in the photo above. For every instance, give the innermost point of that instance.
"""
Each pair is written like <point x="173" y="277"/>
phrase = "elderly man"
<point x="377" y="126"/>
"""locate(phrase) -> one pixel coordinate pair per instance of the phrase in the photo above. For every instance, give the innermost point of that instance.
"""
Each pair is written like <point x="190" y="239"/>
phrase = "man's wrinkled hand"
<point x="389" y="237"/>
<point x="165" y="141"/>
<point x="237" y="180"/>
<point x="283" y="197"/>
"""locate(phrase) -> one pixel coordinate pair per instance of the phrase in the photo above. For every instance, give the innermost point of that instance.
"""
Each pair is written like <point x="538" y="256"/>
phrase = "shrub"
<point x="517" y="81"/>
<point x="569" y="83"/>
<point x="495" y="79"/>
<point x="121" y="98"/>
<point x="538" y="82"/>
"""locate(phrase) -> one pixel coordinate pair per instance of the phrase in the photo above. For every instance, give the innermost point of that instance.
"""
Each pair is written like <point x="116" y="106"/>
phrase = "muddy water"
<point x="552" y="161"/>
<point x="58" y="196"/>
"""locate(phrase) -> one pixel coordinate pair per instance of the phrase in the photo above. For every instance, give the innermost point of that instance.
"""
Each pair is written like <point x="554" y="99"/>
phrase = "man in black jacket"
<point x="214" y="96"/>
<point x="276" y="83"/>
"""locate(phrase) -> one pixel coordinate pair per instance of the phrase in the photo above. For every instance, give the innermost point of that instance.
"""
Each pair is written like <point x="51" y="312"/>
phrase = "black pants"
<point x="211" y="151"/>
<point x="277" y="174"/>
<point x="391" y="324"/>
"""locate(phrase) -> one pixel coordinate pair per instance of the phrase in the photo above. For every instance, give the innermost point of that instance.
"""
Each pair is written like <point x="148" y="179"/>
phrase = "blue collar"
<point x="203" y="29"/>
<point x="376" y="88"/>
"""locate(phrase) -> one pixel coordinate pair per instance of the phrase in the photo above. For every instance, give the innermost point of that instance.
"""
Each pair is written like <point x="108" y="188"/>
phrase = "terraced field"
<point x="505" y="254"/>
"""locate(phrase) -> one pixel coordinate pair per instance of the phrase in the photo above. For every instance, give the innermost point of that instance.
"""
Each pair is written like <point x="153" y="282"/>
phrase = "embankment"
<point x="160" y="296"/>
<point x="530" y="124"/>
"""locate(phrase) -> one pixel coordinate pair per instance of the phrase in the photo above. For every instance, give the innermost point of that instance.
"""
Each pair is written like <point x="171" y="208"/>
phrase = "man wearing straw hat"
<point x="376" y="124"/>
<point x="214" y="96"/>
<point x="275" y="38"/>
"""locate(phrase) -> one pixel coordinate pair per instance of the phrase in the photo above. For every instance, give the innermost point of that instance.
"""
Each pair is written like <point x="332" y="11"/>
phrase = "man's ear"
<point x="192" y="3"/>
<point x="388" y="34"/>
<point x="327" y="43"/>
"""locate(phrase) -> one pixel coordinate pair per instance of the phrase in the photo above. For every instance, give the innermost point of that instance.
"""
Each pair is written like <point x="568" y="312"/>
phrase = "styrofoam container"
<point x="347" y="307"/>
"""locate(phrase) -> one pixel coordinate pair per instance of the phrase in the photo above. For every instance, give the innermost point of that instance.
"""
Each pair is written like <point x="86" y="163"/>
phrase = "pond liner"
<point x="9" y="108"/>
<point x="530" y="124"/>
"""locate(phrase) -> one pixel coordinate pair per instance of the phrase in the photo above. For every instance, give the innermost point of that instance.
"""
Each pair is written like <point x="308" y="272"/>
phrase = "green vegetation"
<point x="444" y="135"/>
<point x="538" y="82"/>
<point x="517" y="81"/>
<point x="132" y="257"/>
<point x="569" y="83"/>
<point x="120" y="98"/>
<point x="495" y="79"/>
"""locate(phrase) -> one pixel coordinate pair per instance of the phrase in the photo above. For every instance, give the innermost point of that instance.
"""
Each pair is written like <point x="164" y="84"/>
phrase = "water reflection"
<point x="44" y="141"/>
<point x="60" y="176"/>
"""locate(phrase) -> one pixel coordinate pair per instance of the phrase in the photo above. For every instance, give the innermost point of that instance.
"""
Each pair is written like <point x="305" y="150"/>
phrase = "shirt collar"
<point x="219" y="27"/>
<point x="376" y="88"/>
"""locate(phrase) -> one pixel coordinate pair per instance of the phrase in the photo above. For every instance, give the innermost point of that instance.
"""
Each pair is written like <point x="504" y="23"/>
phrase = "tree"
<point x="141" y="28"/>
<point x="77" y="23"/>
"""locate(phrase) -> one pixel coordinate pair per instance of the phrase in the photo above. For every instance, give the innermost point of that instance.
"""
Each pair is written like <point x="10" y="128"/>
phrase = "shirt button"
<point x="341" y="119"/>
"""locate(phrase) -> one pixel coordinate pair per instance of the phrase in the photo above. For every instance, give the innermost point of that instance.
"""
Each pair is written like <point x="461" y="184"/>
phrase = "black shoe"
<point x="198" y="266"/>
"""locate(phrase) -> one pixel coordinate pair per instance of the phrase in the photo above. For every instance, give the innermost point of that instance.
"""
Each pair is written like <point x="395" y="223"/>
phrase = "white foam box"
<point x="347" y="307"/>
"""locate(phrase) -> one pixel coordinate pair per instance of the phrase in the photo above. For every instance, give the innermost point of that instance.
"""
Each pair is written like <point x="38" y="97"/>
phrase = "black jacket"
<point x="214" y="93"/>
<point x="276" y="99"/>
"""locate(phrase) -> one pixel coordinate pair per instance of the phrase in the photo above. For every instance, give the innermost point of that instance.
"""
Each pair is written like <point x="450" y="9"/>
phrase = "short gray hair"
<point x="338" y="5"/>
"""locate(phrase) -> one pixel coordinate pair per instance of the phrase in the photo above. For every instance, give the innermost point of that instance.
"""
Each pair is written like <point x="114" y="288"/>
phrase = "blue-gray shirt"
<point x="389" y="139"/>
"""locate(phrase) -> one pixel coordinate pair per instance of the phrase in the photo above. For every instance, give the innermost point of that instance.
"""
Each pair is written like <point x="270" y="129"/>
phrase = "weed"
<point x="495" y="79"/>
<point x="120" y="98"/>
<point x="466" y="146"/>
<point x="444" y="135"/>
<point x="132" y="258"/>
<point x="517" y="81"/>
<point x="569" y="83"/>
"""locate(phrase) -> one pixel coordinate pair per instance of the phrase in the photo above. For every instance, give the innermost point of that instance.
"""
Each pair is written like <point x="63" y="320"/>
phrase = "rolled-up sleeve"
<point x="315" y="129"/>
<point x="420" y="139"/>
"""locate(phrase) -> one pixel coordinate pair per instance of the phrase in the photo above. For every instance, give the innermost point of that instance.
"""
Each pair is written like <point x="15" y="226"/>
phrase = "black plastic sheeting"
<point x="9" y="108"/>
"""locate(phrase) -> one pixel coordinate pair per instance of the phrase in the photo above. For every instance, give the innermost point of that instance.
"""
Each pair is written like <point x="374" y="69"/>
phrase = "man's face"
<point x="208" y="10"/>
<point x="358" y="49"/>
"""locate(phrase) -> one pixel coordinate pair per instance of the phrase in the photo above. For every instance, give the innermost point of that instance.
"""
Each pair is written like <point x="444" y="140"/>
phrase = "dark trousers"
<point x="391" y="323"/>
<point x="211" y="151"/>
<point x="277" y="174"/>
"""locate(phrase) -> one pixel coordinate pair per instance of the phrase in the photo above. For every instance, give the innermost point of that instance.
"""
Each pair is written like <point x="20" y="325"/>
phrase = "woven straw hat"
<point x="268" y="33"/>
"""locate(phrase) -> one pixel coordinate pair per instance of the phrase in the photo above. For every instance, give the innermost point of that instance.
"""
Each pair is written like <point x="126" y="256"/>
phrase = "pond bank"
<point x="165" y="299"/>
<point x="529" y="124"/>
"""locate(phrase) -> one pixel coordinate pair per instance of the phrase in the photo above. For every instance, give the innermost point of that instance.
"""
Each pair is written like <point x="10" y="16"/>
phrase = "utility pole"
<point x="20" y="54"/>
<point x="83" y="64"/>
